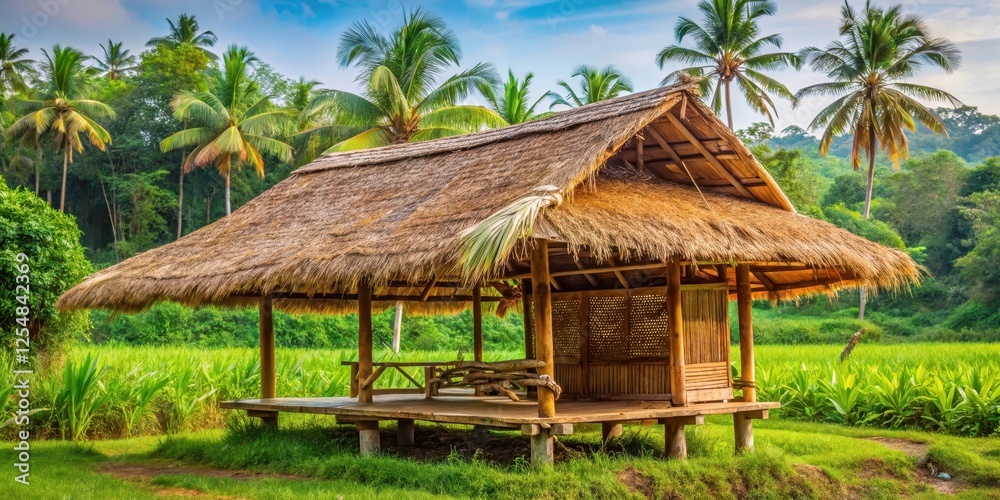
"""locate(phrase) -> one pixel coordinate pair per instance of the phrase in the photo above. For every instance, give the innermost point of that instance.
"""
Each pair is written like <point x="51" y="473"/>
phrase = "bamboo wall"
<point x="614" y="343"/>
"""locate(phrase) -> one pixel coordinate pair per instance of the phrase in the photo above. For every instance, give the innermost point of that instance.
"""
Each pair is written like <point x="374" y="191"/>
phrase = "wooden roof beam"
<point x="595" y="270"/>
<point x="593" y="282"/>
<point x="712" y="160"/>
<point x="428" y="289"/>
<point x="763" y="279"/>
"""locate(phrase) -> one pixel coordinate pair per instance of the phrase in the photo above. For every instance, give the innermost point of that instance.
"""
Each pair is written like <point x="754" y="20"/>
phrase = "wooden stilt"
<point x="744" y="303"/>
<point x="364" y="340"/>
<point x="368" y="437"/>
<point x="743" y="428"/>
<point x="477" y="326"/>
<point x="542" y="447"/>
<point x="675" y="441"/>
<point x="404" y="432"/>
<point x="675" y="328"/>
<point x="268" y="375"/>
<point x="610" y="430"/>
<point x="544" y="350"/>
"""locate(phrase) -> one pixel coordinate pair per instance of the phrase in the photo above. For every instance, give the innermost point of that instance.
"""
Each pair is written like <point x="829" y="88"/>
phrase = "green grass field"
<point x="311" y="458"/>
<point x="127" y="391"/>
<point x="168" y="398"/>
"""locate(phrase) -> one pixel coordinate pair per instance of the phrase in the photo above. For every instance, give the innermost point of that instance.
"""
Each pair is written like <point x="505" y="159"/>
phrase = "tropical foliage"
<point x="728" y="50"/>
<point x="64" y="113"/>
<point x="594" y="85"/>
<point x="511" y="99"/>
<point x="116" y="60"/>
<point x="403" y="100"/>
<point x="879" y="50"/>
<point x="230" y="125"/>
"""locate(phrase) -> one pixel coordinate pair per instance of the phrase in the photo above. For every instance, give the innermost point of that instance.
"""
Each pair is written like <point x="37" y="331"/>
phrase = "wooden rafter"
<point x="639" y="155"/>
<point x="596" y="270"/>
<point x="712" y="160"/>
<point x="427" y="289"/>
<point x="590" y="278"/>
<point x="763" y="279"/>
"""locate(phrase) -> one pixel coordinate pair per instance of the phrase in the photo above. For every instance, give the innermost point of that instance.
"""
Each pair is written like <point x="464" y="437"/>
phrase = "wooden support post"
<point x="354" y="380"/>
<point x="368" y="436"/>
<point x="743" y="427"/>
<point x="542" y="446"/>
<point x="675" y="328"/>
<point x="529" y="342"/>
<point x="610" y="430"/>
<point x="404" y="432"/>
<point x="477" y="327"/>
<point x="268" y="374"/>
<point x="364" y="340"/>
<point x="543" y="326"/>
<point x="744" y="304"/>
<point x="430" y="389"/>
<point x="675" y="441"/>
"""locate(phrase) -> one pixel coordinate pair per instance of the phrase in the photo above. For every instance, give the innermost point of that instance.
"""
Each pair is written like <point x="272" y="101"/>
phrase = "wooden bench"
<point x="430" y="371"/>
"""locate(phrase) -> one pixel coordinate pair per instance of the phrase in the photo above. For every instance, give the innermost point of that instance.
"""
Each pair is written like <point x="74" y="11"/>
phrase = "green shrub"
<point x="55" y="261"/>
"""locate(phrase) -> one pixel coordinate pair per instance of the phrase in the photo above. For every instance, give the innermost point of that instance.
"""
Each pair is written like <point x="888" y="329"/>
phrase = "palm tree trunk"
<point x="867" y="211"/>
<point x="228" y="209"/>
<point x="62" y="194"/>
<point x="729" y="106"/>
<point x="38" y="159"/>
<point x="397" y="327"/>
<point x="180" y="199"/>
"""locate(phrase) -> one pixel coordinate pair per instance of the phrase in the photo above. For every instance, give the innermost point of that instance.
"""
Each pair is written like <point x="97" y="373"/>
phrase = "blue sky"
<point x="299" y="37"/>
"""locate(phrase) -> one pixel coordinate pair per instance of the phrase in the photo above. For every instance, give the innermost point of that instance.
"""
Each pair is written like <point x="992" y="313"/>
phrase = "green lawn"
<point x="312" y="458"/>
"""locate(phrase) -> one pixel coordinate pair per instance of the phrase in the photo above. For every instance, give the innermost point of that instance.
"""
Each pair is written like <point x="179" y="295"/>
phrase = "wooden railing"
<point x="430" y="372"/>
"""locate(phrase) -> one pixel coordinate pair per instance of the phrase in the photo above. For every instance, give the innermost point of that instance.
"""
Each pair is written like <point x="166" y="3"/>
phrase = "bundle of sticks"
<point x="500" y="377"/>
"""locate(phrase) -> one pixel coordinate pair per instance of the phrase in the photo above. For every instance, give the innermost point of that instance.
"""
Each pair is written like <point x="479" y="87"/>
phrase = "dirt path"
<point x="145" y="473"/>
<point x="926" y="470"/>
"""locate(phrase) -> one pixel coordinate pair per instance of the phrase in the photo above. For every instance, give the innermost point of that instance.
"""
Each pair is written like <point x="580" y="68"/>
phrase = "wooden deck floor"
<point x="490" y="411"/>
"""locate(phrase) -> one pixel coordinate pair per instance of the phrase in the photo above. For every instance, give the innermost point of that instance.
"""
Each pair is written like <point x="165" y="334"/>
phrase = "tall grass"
<point x="952" y="388"/>
<point x="108" y="391"/>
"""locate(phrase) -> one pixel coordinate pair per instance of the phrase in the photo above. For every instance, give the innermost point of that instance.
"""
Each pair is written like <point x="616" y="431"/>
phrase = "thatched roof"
<point x="395" y="215"/>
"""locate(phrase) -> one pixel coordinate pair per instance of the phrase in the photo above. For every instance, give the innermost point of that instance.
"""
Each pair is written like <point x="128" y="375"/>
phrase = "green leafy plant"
<point x="80" y="397"/>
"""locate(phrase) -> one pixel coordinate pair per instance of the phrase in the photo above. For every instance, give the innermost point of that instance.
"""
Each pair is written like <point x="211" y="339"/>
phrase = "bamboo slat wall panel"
<point x="706" y="326"/>
<point x="566" y="326"/>
<point x="628" y="342"/>
<point x="568" y="377"/>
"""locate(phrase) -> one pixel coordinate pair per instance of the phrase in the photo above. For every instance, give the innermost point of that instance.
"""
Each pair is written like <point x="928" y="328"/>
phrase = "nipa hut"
<point x="649" y="217"/>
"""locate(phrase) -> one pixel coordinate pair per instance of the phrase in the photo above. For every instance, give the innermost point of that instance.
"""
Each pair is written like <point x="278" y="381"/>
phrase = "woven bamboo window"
<point x="608" y="328"/>
<point x="566" y="327"/>
<point x="648" y="327"/>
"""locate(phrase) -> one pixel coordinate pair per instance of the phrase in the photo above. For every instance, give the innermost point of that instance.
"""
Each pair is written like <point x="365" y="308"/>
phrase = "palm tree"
<point x="596" y="84"/>
<point x="302" y="92"/>
<point x="879" y="49"/>
<point x="231" y="124"/>
<point x="116" y="60"/>
<point x="14" y="67"/>
<point x="63" y="112"/>
<point x="186" y="32"/>
<point x="402" y="100"/>
<point x="728" y="49"/>
<point x="511" y="99"/>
